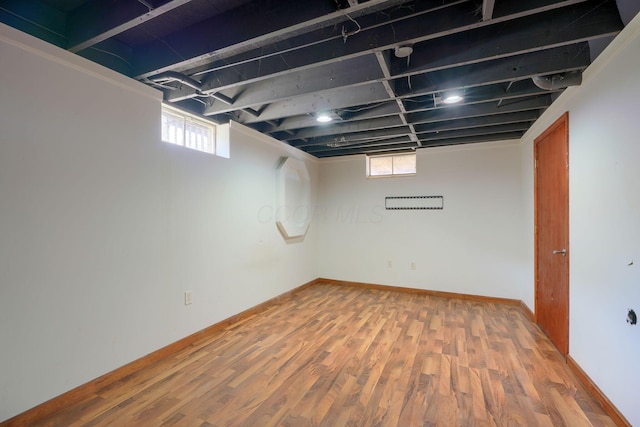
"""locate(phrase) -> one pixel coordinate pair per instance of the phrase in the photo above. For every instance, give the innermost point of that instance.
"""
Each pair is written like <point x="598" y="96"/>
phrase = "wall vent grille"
<point x="414" y="202"/>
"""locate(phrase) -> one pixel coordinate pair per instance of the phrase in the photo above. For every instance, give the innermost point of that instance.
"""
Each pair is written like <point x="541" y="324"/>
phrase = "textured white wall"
<point x="103" y="226"/>
<point x="604" y="203"/>
<point x="474" y="245"/>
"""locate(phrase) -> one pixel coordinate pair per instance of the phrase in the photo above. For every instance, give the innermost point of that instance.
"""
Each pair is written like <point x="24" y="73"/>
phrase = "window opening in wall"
<point x="185" y="130"/>
<point x="391" y="165"/>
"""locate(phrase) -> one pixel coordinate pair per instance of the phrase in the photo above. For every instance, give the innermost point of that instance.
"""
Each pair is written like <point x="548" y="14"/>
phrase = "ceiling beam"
<point x="353" y="137"/>
<point x="333" y="100"/>
<point x="473" y="139"/>
<point x="475" y="122"/>
<point x="349" y="127"/>
<point x="320" y="47"/>
<point x="519" y="89"/>
<point x="519" y="67"/>
<point x="368" y="144"/>
<point x="516" y="8"/>
<point x="439" y="19"/>
<point x="478" y="94"/>
<point x="385" y="108"/>
<point x="524" y="35"/>
<point x="395" y="147"/>
<point x="98" y="20"/>
<point x="352" y="72"/>
<point x="478" y="110"/>
<point x="498" y="71"/>
<point x="369" y="149"/>
<point x="550" y="29"/>
<point x="487" y="9"/>
<point x="388" y="108"/>
<point x="499" y="92"/>
<point x="478" y="131"/>
<point x="262" y="22"/>
<point x="374" y="148"/>
<point x="383" y="61"/>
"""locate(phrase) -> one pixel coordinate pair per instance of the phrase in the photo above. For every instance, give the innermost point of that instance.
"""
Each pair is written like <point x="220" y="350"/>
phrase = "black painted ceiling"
<point x="274" y="64"/>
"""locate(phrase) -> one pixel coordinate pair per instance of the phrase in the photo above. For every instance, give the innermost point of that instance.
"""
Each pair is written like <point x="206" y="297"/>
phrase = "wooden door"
<point x="551" y="152"/>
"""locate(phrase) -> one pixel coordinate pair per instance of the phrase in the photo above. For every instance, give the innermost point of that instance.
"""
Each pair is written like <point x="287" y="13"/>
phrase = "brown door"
<point x="551" y="151"/>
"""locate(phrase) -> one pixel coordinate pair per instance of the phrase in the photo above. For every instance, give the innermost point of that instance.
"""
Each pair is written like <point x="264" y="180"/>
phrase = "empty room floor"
<point x="334" y="355"/>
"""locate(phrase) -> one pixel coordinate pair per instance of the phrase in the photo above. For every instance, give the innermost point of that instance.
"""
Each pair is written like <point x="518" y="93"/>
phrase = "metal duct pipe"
<point x="558" y="81"/>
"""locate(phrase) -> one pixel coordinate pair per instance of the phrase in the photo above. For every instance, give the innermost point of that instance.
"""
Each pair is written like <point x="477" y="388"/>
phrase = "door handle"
<point x="562" y="252"/>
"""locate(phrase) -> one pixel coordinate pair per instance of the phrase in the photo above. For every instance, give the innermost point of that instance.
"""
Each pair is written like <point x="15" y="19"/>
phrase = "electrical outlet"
<point x="188" y="297"/>
<point x="413" y="265"/>
<point x="389" y="264"/>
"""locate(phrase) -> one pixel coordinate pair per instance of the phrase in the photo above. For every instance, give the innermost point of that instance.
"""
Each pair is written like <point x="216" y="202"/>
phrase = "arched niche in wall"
<point x="293" y="212"/>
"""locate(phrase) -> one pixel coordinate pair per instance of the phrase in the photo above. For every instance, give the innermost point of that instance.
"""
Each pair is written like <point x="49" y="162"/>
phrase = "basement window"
<point x="391" y="165"/>
<point x="183" y="129"/>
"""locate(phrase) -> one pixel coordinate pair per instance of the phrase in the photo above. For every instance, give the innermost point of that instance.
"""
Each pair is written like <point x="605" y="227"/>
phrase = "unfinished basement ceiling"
<point x="380" y="68"/>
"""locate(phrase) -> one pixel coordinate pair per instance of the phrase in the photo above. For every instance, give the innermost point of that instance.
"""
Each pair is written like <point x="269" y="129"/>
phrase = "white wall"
<point x="473" y="246"/>
<point x="604" y="148"/>
<point x="103" y="227"/>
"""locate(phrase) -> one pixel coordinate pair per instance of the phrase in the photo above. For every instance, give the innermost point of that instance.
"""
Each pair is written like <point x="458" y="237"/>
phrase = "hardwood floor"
<point x="346" y="356"/>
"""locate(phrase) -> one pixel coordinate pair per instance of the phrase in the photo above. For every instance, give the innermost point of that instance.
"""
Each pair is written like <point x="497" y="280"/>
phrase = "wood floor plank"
<point x="347" y="356"/>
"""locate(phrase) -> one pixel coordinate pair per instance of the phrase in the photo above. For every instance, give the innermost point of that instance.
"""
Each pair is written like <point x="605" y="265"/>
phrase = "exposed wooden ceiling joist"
<point x="382" y="68"/>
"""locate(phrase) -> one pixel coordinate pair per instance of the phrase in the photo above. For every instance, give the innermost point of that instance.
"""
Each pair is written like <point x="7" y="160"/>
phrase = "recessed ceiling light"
<point x="323" y="118"/>
<point x="452" y="98"/>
